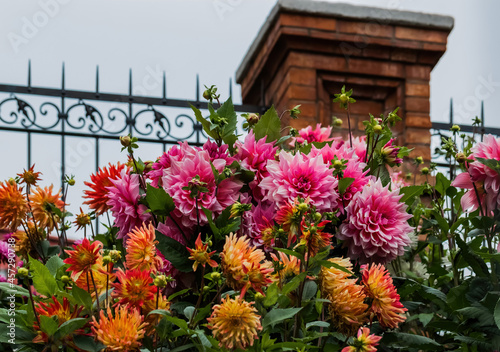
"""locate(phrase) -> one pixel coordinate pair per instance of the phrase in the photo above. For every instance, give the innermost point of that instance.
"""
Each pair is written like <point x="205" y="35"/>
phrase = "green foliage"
<point x="268" y="126"/>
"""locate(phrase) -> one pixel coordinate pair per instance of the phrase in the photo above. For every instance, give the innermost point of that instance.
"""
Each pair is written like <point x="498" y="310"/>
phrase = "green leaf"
<point x="87" y="343"/>
<point x="321" y="324"/>
<point x="442" y="183"/>
<point x="204" y="122"/>
<point x="159" y="201"/>
<point x="69" y="326"/>
<point x="293" y="284"/>
<point x="174" y="252"/>
<point x="43" y="280"/>
<point x="410" y="193"/>
<point x="477" y="264"/>
<point x="53" y="264"/>
<point x="277" y="315"/>
<point x="491" y="163"/>
<point x="271" y="295"/>
<point x="82" y="297"/>
<point x="13" y="289"/>
<point x="189" y="311"/>
<point x="411" y="340"/>
<point x="344" y="183"/>
<point x="48" y="325"/>
<point x="268" y="127"/>
<point x="178" y="293"/>
<point x="290" y="252"/>
<point x="310" y="289"/>
<point x="227" y="111"/>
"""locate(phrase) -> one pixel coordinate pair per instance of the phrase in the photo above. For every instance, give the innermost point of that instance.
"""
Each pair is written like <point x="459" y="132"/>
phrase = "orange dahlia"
<point x="313" y="237"/>
<point x="234" y="323"/>
<point x="98" y="194"/>
<point x="121" y="332"/>
<point x="41" y="201"/>
<point x="364" y="342"/>
<point x="385" y="299"/>
<point x="245" y="266"/>
<point x="150" y="305"/>
<point x="347" y="308"/>
<point x="83" y="258"/>
<point x="289" y="266"/>
<point x="141" y="249"/>
<point x="13" y="205"/>
<point x="82" y="220"/>
<point x="200" y="255"/>
<point x="63" y="312"/>
<point x="30" y="177"/>
<point x="134" y="287"/>
<point x="289" y="216"/>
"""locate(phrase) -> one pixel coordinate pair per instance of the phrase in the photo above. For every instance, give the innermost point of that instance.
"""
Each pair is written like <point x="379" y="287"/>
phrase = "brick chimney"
<point x="307" y="50"/>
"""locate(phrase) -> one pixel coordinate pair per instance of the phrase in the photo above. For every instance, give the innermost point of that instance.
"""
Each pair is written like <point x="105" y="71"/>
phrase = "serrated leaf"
<point x="43" y="280"/>
<point x="48" y="325"/>
<point x="204" y="122"/>
<point x="268" y="127"/>
<point x="53" y="264"/>
<point x="159" y="201"/>
<point x="82" y="297"/>
<point x="410" y="193"/>
<point x="344" y="183"/>
<point x="271" y="295"/>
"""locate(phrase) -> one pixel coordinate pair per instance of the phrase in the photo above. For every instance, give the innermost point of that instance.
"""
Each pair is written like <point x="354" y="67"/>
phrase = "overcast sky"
<point x="209" y="37"/>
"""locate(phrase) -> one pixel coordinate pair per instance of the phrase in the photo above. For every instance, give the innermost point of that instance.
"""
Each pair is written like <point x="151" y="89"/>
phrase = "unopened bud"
<point x="455" y="128"/>
<point x="207" y="95"/>
<point x="125" y="141"/>
<point x="160" y="281"/>
<point x="107" y="260"/>
<point x="377" y="129"/>
<point x="419" y="160"/>
<point x="425" y="171"/>
<point x="337" y="122"/>
<point x="461" y="158"/>
<point x="317" y="216"/>
<point x="252" y="119"/>
<point x="343" y="98"/>
<point x="23" y="272"/>
<point x="258" y="296"/>
<point x="215" y="276"/>
<point x="302" y="207"/>
<point x="71" y="182"/>
<point x="65" y="279"/>
<point x="337" y="164"/>
<point x="115" y="255"/>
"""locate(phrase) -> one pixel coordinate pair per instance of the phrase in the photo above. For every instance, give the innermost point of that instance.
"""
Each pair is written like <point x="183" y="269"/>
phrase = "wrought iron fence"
<point x="72" y="113"/>
<point x="442" y="129"/>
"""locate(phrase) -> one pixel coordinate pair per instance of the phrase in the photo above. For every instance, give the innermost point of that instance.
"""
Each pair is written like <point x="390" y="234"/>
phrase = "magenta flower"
<point x="299" y="176"/>
<point x="4" y="252"/>
<point x="124" y="201"/>
<point x="253" y="156"/>
<point x="390" y="153"/>
<point x="217" y="152"/>
<point x="398" y="180"/>
<point x="486" y="180"/>
<point x="257" y="220"/>
<point x="376" y="229"/>
<point x="177" y="152"/>
<point x="196" y="171"/>
<point x="319" y="134"/>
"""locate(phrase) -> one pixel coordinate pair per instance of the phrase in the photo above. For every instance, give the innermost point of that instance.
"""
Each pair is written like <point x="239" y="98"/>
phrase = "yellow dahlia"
<point x="41" y="201"/>
<point x="234" y="323"/>
<point x="141" y="249"/>
<point x="364" y="342"/>
<point x="245" y="266"/>
<point x="385" y="299"/>
<point x="150" y="305"/>
<point x="134" y="287"/>
<point x="101" y="278"/>
<point x="13" y="205"/>
<point x="289" y="266"/>
<point x="200" y="255"/>
<point x="313" y="237"/>
<point x="347" y="308"/>
<point x="121" y="332"/>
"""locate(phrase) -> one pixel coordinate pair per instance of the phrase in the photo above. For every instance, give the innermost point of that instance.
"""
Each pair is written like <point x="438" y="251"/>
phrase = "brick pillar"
<point x="307" y="50"/>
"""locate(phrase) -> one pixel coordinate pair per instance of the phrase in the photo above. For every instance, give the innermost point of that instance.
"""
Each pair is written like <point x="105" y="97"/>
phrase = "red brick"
<point x="296" y="20"/>
<point x="366" y="107"/>
<point x="378" y="68"/>
<point x="302" y="122"/>
<point x="303" y="76"/>
<point x="417" y="104"/>
<point x="420" y="150"/>
<point x="371" y="29"/>
<point x="418" y="136"/>
<point x="419" y="34"/>
<point x="418" y="72"/>
<point x="307" y="109"/>
<point x="417" y="120"/>
<point x="417" y="89"/>
<point x="296" y="91"/>
<point x="404" y="55"/>
<point x="295" y="31"/>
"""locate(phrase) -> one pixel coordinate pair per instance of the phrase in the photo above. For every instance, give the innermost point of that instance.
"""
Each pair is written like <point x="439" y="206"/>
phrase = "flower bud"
<point x="455" y="128"/>
<point x="71" y="182"/>
<point x="337" y="164"/>
<point x="303" y="207"/>
<point x="125" y="141"/>
<point x="425" y="171"/>
<point x="160" y="281"/>
<point x="22" y="272"/>
<point x="107" y="260"/>
<point x="252" y="119"/>
<point x="115" y="255"/>
<point x="337" y="122"/>
<point x="11" y="181"/>
<point x="258" y="296"/>
<point x="215" y="276"/>
<point x="65" y="279"/>
<point x="461" y="158"/>
<point x="343" y="98"/>
<point x="206" y="289"/>
<point x="377" y="129"/>
<point x="317" y="216"/>
<point x="419" y="160"/>
<point x="207" y="95"/>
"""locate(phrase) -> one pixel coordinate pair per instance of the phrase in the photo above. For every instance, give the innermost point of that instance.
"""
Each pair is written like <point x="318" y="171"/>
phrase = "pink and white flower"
<point x="376" y="229"/>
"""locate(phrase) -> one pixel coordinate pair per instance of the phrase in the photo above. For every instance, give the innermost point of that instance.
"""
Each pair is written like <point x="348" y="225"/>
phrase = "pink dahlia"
<point x="253" y="156"/>
<point x="177" y="152"/>
<point x="354" y="168"/>
<point x="398" y="180"/>
<point x="390" y="153"/>
<point x="4" y="252"/>
<point x="196" y="171"/>
<point x="319" y="134"/>
<point x="124" y="201"/>
<point x="376" y="229"/>
<point x="486" y="180"/>
<point x="299" y="176"/>
<point x="217" y="152"/>
<point x="256" y="222"/>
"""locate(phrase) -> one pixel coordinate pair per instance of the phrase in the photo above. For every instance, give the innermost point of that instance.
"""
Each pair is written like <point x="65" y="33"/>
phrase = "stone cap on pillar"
<point x="307" y="50"/>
